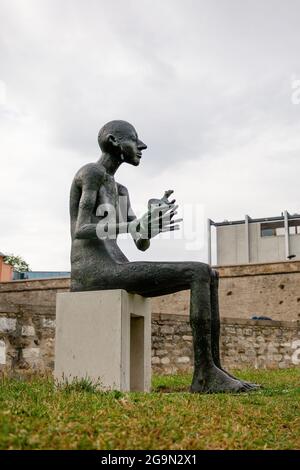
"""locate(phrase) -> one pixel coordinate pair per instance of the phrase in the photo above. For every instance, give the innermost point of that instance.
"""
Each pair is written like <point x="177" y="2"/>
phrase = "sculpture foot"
<point x="249" y="385"/>
<point x="214" y="380"/>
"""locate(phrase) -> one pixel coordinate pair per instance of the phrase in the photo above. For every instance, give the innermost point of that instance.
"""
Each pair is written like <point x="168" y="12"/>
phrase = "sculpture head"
<point x="120" y="140"/>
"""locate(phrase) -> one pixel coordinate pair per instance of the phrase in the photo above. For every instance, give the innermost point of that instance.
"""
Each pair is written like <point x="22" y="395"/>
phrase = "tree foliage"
<point x="17" y="262"/>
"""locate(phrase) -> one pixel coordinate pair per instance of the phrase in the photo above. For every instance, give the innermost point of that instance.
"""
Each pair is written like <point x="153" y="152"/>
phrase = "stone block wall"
<point x="244" y="343"/>
<point x="27" y="342"/>
<point x="270" y="289"/>
<point x="27" y="321"/>
<point x="27" y="338"/>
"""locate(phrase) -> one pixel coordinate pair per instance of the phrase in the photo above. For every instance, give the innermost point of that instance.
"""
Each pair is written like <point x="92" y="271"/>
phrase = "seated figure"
<point x="100" y="209"/>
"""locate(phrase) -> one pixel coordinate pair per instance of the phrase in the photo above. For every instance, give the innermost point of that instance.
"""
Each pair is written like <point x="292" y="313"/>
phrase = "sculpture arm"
<point x="84" y="228"/>
<point x="142" y="244"/>
<point x="158" y="218"/>
<point x="105" y="228"/>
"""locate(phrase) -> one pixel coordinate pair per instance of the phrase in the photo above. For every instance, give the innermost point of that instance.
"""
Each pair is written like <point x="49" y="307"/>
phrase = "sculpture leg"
<point x="154" y="279"/>
<point x="207" y="377"/>
<point x="215" y="328"/>
<point x="215" y="319"/>
<point x="200" y="320"/>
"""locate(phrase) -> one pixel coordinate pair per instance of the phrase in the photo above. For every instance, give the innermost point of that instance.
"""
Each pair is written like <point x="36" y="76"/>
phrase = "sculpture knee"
<point x="200" y="272"/>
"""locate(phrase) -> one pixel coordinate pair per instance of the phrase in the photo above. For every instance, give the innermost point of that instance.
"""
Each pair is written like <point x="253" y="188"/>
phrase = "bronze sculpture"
<point x="100" y="209"/>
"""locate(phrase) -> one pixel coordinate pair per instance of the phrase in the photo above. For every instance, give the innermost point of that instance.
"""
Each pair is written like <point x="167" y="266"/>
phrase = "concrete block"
<point x="165" y="360"/>
<point x="167" y="330"/>
<point x="187" y="338"/>
<point x="28" y="330"/>
<point x="7" y="324"/>
<point x="31" y="353"/>
<point x="183" y="360"/>
<point x="48" y="323"/>
<point x="104" y="336"/>
<point x="161" y="352"/>
<point x="155" y="360"/>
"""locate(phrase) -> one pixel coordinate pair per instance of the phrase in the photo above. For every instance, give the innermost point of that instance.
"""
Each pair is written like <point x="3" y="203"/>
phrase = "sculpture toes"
<point x="255" y="386"/>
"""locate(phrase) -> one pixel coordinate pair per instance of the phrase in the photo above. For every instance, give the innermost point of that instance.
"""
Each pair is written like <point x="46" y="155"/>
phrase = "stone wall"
<point x="271" y="289"/>
<point x="27" y="342"/>
<point x="244" y="343"/>
<point x="27" y="323"/>
<point x="27" y="320"/>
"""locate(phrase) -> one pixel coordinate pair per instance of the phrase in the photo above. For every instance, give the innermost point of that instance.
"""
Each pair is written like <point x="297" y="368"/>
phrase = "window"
<point x="294" y="227"/>
<point x="276" y="229"/>
<point x="272" y="229"/>
<point x="268" y="232"/>
<point x="280" y="231"/>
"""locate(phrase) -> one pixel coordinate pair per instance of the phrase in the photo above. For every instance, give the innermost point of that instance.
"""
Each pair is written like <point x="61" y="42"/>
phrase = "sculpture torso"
<point x="92" y="258"/>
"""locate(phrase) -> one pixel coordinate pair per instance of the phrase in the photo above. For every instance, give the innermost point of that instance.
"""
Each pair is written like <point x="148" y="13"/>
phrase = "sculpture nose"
<point x="141" y="145"/>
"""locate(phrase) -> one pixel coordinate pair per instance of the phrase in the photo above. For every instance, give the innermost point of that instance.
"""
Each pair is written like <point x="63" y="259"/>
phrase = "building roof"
<point x="2" y="254"/>
<point x="250" y="220"/>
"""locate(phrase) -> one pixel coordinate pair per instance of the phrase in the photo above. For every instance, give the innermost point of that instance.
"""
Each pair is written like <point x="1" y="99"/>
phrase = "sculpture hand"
<point x="159" y="217"/>
<point x="163" y="200"/>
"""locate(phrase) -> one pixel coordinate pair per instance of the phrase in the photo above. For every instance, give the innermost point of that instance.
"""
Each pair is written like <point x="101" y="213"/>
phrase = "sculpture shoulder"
<point x="91" y="175"/>
<point x="122" y="190"/>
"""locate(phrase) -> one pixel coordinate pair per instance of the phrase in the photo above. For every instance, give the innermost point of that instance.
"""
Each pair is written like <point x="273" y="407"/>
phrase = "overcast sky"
<point x="206" y="83"/>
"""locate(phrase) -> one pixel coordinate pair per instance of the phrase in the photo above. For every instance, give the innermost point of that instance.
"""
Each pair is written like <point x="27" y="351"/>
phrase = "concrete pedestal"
<point x="104" y="336"/>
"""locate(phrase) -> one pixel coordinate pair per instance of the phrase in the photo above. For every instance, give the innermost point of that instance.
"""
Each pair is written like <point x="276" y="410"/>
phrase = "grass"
<point x="36" y="415"/>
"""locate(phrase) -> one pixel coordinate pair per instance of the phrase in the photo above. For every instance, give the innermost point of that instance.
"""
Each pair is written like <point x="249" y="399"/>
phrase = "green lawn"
<point x="35" y="415"/>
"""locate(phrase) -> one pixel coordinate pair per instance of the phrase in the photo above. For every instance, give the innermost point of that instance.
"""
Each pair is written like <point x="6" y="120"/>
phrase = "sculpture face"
<point x="132" y="147"/>
<point x="120" y="140"/>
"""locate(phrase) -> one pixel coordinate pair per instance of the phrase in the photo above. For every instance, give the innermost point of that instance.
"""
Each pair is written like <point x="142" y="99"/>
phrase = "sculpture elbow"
<point x="143" y="248"/>
<point x="83" y="232"/>
<point x="79" y="234"/>
<point x="143" y="245"/>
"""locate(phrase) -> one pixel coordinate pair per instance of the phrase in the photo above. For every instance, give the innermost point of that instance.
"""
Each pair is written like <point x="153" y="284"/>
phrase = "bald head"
<point x="120" y="130"/>
<point x="119" y="140"/>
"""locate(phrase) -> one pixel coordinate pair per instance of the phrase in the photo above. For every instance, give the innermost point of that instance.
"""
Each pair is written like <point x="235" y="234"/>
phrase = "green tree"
<point x="17" y="263"/>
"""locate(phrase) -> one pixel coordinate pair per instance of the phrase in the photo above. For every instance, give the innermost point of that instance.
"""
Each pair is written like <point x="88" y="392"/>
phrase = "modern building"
<point x="6" y="271"/>
<point x="8" y="274"/>
<point x="266" y="240"/>
<point x="40" y="275"/>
